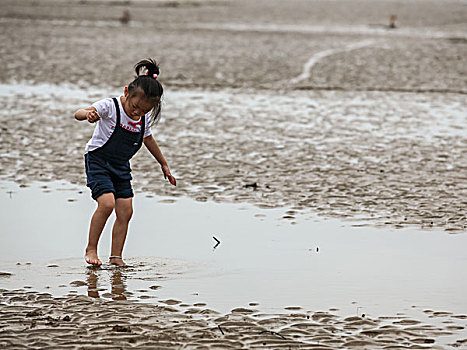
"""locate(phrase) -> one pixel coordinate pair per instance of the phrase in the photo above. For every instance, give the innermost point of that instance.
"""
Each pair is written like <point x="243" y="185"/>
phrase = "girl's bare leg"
<point x="105" y="206"/>
<point x="123" y="211"/>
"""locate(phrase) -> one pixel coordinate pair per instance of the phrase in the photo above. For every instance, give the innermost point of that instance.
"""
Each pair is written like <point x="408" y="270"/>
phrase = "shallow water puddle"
<point x="260" y="260"/>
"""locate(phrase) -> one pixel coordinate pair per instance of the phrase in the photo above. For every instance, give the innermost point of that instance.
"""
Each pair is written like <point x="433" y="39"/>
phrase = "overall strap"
<point x="117" y="108"/>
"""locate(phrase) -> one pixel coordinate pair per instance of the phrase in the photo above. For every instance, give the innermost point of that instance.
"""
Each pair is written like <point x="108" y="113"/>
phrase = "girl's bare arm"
<point x="90" y="114"/>
<point x="154" y="149"/>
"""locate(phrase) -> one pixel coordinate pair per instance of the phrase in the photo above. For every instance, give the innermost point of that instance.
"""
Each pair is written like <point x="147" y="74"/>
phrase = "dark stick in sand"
<point x="218" y="242"/>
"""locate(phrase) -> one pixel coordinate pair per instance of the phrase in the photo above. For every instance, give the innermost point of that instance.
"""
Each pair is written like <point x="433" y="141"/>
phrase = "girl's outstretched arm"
<point x="90" y="114"/>
<point x="152" y="146"/>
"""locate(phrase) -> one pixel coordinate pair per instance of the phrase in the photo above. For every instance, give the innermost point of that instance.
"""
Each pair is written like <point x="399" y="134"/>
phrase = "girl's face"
<point x="137" y="105"/>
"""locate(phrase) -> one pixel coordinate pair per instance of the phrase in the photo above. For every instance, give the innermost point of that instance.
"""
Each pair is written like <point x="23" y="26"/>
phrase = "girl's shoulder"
<point x="105" y="107"/>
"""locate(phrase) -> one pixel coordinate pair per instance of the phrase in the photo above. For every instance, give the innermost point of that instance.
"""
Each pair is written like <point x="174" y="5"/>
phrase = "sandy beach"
<point x="326" y="151"/>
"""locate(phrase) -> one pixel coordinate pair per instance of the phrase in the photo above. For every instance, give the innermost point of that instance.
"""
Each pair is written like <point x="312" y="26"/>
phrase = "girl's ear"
<point x="126" y="91"/>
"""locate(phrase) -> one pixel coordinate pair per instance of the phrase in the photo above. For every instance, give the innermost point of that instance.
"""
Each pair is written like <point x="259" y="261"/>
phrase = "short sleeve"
<point x="104" y="107"/>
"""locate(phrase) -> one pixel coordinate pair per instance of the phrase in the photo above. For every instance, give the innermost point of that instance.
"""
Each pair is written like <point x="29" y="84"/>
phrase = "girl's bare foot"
<point x="92" y="258"/>
<point x="116" y="260"/>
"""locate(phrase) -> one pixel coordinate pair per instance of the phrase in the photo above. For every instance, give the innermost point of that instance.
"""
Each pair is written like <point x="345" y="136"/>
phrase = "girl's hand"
<point x="92" y="116"/>
<point x="168" y="175"/>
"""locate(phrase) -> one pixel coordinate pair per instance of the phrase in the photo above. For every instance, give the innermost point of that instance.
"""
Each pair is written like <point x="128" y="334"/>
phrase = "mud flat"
<point x="278" y="110"/>
<point x="319" y="283"/>
<point x="39" y="320"/>
<point x="384" y="158"/>
<point x="331" y="112"/>
<point x="259" y="44"/>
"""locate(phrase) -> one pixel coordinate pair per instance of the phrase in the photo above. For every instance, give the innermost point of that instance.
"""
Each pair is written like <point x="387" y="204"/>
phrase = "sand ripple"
<point x="67" y="322"/>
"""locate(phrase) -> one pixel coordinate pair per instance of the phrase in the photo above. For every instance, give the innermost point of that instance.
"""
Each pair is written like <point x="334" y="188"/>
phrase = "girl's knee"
<point x="106" y="203"/>
<point x="124" y="214"/>
<point x="124" y="209"/>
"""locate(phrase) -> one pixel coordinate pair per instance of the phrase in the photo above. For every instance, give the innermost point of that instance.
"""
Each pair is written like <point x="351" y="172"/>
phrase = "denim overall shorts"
<point x="108" y="167"/>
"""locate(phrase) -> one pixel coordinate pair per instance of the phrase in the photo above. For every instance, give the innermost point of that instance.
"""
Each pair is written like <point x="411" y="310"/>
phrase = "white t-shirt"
<point x="106" y="125"/>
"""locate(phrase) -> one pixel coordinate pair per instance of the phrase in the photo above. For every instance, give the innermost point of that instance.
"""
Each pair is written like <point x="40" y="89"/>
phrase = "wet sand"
<point x="39" y="320"/>
<point x="317" y="283"/>
<point x="388" y="159"/>
<point x="378" y="134"/>
<point x="241" y="44"/>
<point x="296" y="109"/>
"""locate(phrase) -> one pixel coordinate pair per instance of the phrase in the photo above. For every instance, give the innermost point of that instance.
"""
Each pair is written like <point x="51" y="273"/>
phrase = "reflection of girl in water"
<point x="117" y="281"/>
<point x="92" y="284"/>
<point x="123" y="125"/>
<point x="118" y="285"/>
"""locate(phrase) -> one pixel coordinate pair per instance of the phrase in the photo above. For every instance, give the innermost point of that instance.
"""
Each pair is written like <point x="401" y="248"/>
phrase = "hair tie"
<point x="154" y="75"/>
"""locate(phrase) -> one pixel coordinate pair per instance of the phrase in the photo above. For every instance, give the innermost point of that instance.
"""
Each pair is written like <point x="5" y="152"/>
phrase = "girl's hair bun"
<point x="148" y="66"/>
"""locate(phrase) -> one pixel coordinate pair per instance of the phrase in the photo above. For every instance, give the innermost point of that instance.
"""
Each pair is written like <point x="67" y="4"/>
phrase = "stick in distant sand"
<point x="274" y="333"/>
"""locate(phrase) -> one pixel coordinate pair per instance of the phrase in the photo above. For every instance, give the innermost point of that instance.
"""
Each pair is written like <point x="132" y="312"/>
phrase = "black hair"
<point x="147" y="72"/>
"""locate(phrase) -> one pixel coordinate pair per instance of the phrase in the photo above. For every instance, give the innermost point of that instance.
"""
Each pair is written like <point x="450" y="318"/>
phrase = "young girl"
<point x="123" y="125"/>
